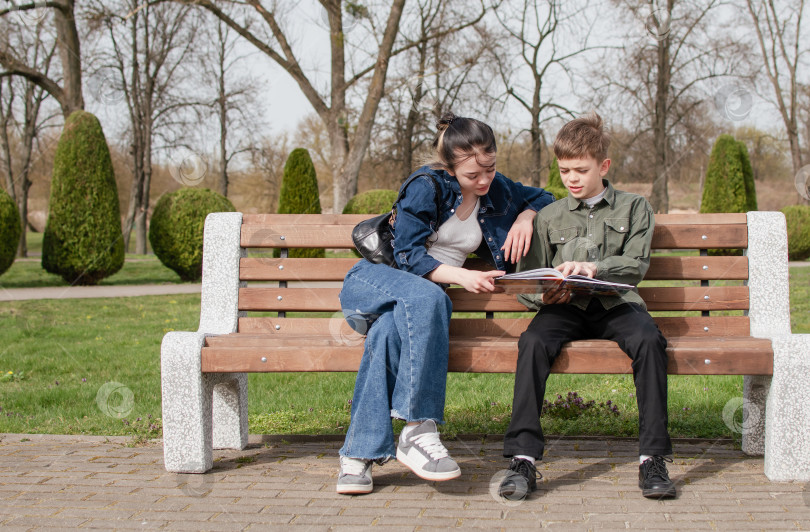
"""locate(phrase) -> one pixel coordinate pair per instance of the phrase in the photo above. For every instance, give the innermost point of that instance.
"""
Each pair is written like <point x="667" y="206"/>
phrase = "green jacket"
<point x="615" y="234"/>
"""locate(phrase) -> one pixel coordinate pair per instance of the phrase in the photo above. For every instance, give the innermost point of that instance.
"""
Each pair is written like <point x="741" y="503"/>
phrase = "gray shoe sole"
<point x="426" y="475"/>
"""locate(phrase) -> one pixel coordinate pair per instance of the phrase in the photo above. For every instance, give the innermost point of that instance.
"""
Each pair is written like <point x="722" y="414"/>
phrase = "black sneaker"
<point x="653" y="478"/>
<point x="520" y="480"/>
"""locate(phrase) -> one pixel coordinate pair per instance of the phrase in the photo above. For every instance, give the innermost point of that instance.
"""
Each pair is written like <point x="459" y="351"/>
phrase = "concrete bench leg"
<point x="755" y="394"/>
<point x="787" y="424"/>
<point x="200" y="411"/>
<point x="230" y="411"/>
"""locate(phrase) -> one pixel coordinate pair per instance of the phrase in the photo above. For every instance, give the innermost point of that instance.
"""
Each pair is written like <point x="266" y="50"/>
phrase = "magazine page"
<point x="544" y="279"/>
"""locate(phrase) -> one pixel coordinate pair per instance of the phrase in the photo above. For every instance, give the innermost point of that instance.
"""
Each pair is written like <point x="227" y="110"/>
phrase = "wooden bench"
<point x="204" y="380"/>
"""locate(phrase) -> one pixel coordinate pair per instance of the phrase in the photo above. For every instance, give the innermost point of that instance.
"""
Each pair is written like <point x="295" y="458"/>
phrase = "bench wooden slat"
<point x="339" y="236"/>
<point x="671" y="326"/>
<point x="720" y="219"/>
<point x="699" y="268"/>
<point x="657" y="298"/>
<point x="748" y="356"/>
<point x="334" y="231"/>
<point x="290" y="269"/>
<point x="297" y="236"/>
<point x="699" y="237"/>
<point x="334" y="269"/>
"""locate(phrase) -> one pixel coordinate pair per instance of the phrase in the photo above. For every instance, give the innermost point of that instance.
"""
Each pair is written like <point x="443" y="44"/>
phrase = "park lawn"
<point x="138" y="269"/>
<point x="63" y="353"/>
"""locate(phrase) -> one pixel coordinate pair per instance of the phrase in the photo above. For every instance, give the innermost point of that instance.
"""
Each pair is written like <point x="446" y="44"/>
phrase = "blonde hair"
<point x="583" y="137"/>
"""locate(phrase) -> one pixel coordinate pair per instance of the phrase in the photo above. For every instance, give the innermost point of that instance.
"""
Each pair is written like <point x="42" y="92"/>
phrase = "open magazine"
<point x="544" y="279"/>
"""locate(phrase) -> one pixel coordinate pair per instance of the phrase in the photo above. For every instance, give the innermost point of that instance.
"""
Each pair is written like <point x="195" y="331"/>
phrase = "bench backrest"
<point x="707" y="294"/>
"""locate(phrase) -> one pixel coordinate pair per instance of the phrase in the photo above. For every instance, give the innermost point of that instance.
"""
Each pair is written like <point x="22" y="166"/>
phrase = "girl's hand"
<point x="519" y="237"/>
<point x="472" y="280"/>
<point x="476" y="282"/>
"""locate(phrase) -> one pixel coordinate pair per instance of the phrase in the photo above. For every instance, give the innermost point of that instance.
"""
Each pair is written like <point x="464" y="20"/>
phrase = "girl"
<point x="456" y="205"/>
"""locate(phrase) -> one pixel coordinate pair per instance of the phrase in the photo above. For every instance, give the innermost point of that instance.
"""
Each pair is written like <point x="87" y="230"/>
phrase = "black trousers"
<point x="554" y="325"/>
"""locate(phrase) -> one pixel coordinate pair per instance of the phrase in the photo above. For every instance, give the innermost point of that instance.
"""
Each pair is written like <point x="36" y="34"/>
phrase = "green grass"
<point x="62" y="353"/>
<point x="138" y="269"/>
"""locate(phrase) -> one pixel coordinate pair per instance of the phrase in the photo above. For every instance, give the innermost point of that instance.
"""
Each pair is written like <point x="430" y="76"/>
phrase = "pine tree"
<point x="83" y="242"/>
<point x="299" y="194"/>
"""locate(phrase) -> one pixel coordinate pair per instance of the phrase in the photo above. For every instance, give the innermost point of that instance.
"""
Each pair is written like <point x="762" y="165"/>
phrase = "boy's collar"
<point x="609" y="197"/>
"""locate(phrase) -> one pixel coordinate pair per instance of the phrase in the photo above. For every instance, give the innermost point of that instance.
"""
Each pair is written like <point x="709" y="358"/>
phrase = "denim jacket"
<point x="415" y="217"/>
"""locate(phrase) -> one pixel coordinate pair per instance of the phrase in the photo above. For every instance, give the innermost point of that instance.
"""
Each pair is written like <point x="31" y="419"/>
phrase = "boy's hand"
<point x="557" y="296"/>
<point x="519" y="237"/>
<point x="588" y="269"/>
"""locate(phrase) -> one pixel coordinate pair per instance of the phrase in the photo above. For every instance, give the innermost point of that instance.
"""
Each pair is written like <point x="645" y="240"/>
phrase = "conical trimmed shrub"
<point x="555" y="184"/>
<point x="176" y="228"/>
<point x="299" y="194"/>
<point x="748" y="178"/>
<point x="10" y="229"/>
<point x="83" y="242"/>
<point x="724" y="189"/>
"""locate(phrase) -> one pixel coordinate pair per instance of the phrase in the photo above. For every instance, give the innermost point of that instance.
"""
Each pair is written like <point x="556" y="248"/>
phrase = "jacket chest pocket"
<point x="616" y="231"/>
<point x="560" y="237"/>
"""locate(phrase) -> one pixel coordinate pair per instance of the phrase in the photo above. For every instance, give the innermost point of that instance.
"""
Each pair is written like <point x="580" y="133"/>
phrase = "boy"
<point x="603" y="233"/>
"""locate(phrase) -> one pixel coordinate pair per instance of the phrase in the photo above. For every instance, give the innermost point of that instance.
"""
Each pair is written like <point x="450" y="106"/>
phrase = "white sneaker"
<point x="355" y="476"/>
<point x="423" y="453"/>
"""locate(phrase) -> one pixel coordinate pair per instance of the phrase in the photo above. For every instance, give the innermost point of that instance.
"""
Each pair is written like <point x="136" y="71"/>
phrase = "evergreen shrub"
<point x="83" y="242"/>
<point x="798" y="231"/>
<point x="10" y="229"/>
<point x="748" y="178"/>
<point x="725" y="188"/>
<point x="375" y="201"/>
<point x="555" y="184"/>
<point x="176" y="228"/>
<point x="299" y="195"/>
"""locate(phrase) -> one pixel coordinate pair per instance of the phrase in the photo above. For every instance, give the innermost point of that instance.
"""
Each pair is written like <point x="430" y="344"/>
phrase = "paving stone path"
<point x="67" y="482"/>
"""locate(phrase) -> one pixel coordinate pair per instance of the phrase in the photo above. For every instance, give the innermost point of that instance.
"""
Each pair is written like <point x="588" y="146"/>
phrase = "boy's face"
<point x="583" y="177"/>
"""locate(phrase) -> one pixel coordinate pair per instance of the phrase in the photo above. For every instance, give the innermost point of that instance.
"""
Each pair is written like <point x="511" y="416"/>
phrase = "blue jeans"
<point x="403" y="373"/>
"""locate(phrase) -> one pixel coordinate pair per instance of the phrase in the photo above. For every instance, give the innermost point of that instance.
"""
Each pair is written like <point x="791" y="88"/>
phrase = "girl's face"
<point x="475" y="173"/>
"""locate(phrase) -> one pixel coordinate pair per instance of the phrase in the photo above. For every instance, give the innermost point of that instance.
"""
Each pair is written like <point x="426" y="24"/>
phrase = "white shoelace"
<point x="429" y="441"/>
<point x="352" y="466"/>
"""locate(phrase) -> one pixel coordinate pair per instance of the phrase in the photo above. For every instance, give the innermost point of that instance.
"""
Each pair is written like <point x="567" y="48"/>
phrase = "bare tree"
<point x="235" y="105"/>
<point x="542" y="33"/>
<point x="349" y="132"/>
<point x="69" y="92"/>
<point x="662" y="77"/>
<point x="149" y="53"/>
<point x="778" y="27"/>
<point x="24" y="131"/>
<point x="437" y="74"/>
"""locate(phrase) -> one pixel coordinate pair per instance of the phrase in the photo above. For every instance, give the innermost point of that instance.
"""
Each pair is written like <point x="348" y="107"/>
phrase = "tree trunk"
<point x="347" y="186"/>
<point x="223" y="137"/>
<point x="70" y="54"/>
<point x="659" y="198"/>
<point x="537" y="152"/>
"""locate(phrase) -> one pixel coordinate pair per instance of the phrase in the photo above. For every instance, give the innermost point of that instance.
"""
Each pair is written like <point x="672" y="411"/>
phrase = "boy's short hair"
<point x="582" y="137"/>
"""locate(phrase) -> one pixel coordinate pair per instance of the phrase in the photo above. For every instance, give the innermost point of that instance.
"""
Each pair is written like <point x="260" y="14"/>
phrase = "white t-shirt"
<point x="457" y="238"/>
